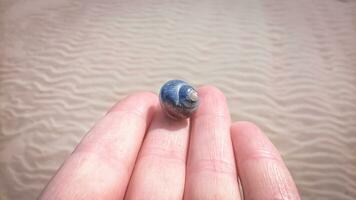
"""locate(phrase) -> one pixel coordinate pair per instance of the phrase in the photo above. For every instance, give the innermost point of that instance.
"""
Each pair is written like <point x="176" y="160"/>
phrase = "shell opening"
<point x="193" y="95"/>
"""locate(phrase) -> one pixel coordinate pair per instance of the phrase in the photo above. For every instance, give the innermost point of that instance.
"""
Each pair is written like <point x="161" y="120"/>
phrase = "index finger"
<point x="101" y="165"/>
<point x="261" y="169"/>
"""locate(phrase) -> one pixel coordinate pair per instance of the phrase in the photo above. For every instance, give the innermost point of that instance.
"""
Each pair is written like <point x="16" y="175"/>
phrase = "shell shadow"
<point x="162" y="121"/>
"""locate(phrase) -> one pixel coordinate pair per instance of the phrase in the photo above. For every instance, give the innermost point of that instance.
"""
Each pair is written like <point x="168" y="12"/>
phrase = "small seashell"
<point x="178" y="99"/>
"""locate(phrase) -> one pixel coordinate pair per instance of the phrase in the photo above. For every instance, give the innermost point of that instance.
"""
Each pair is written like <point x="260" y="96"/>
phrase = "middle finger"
<point x="160" y="168"/>
<point x="211" y="171"/>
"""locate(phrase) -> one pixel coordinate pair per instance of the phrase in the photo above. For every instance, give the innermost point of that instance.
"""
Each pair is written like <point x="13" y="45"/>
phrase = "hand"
<point x="135" y="152"/>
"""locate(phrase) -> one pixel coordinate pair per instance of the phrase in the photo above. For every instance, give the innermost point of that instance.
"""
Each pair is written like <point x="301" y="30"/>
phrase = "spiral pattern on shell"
<point x="178" y="99"/>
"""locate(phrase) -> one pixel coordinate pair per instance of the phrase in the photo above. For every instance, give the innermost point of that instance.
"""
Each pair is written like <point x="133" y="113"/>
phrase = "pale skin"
<point x="136" y="152"/>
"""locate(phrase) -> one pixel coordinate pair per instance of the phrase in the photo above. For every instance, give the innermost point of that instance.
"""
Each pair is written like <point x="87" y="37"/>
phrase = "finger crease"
<point x="164" y="154"/>
<point x="259" y="155"/>
<point x="213" y="165"/>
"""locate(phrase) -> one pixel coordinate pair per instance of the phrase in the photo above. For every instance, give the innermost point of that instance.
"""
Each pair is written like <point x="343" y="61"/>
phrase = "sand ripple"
<point x="289" y="66"/>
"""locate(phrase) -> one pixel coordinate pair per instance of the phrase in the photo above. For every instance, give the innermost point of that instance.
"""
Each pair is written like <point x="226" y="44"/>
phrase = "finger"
<point x="211" y="171"/>
<point x="101" y="165"/>
<point x="261" y="169"/>
<point x="160" y="168"/>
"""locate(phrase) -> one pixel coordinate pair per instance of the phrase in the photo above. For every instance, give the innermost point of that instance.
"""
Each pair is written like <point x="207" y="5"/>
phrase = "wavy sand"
<point x="289" y="66"/>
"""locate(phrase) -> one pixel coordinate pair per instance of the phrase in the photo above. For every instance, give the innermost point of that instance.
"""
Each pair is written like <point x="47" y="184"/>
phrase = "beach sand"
<point x="288" y="66"/>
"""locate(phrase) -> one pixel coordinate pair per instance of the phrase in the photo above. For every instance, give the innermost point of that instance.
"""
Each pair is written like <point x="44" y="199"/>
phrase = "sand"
<point x="288" y="66"/>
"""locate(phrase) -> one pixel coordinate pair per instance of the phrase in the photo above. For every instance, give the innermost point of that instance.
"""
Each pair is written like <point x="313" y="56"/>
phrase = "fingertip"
<point x="146" y="94"/>
<point x="137" y="103"/>
<point x="250" y="142"/>
<point x="142" y="98"/>
<point x="211" y="91"/>
<point x="212" y="102"/>
<point x="244" y="127"/>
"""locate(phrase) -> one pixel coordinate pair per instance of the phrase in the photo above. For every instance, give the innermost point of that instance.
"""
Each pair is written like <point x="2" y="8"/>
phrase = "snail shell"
<point x="178" y="99"/>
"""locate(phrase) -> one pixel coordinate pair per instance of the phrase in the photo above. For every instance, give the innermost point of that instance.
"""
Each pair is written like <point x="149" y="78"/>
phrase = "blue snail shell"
<point x="178" y="99"/>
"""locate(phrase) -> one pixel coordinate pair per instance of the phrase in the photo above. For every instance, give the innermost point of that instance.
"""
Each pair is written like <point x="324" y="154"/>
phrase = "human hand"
<point x="135" y="152"/>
